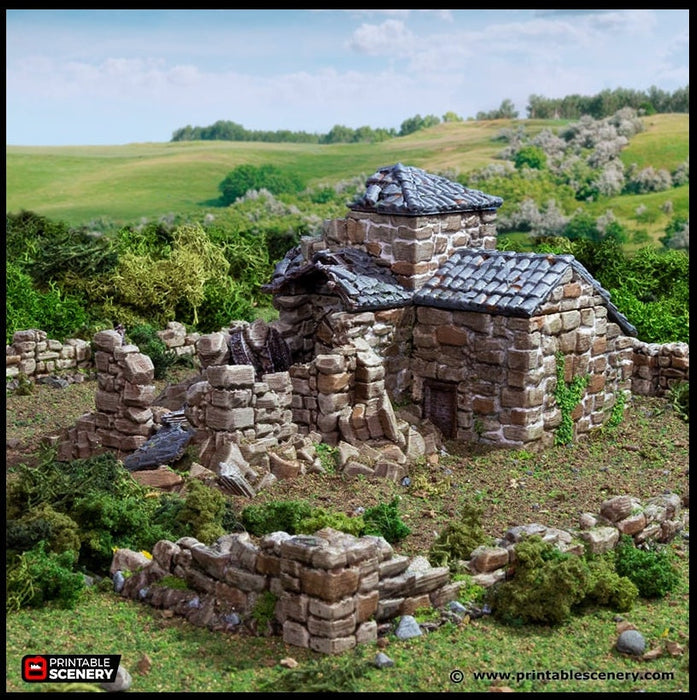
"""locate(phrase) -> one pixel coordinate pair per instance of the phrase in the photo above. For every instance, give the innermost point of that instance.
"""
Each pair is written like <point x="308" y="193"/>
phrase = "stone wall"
<point x="332" y="589"/>
<point x="505" y="368"/>
<point x="33" y="354"/>
<point x="656" y="368"/>
<point x="413" y="247"/>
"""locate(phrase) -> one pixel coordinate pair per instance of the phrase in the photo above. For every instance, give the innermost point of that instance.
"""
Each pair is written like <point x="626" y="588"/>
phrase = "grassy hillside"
<point x="127" y="183"/>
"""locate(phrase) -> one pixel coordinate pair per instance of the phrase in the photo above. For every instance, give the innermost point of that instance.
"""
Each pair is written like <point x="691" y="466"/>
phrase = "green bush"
<point x="60" y="532"/>
<point x="40" y="576"/>
<point x="203" y="512"/>
<point x="384" y="520"/>
<point x="59" y="314"/>
<point x="457" y="540"/>
<point x="651" y="570"/>
<point x="322" y="518"/>
<point x="251" y="177"/>
<point x="546" y="586"/>
<point x="607" y="587"/>
<point x="276" y="516"/>
<point x="679" y="396"/>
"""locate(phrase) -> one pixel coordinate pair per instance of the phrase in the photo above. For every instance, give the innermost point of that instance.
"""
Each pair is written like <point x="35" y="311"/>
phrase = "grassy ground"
<point x="644" y="456"/>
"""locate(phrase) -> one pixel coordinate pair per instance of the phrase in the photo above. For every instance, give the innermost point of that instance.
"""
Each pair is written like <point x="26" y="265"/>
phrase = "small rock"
<point x="119" y="582"/>
<point x="289" y="662"/>
<point x="408" y="627"/>
<point x="121" y="683"/>
<point x="652" y="654"/>
<point x="631" y="642"/>
<point x="383" y="661"/>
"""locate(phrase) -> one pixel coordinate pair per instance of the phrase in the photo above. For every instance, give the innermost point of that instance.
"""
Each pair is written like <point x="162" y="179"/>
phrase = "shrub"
<point x="203" y="512"/>
<point x="383" y="520"/>
<point x="251" y="177"/>
<point x="58" y="530"/>
<point x="679" y="396"/>
<point x="276" y="516"/>
<point x="607" y="587"/>
<point x="40" y="576"/>
<point x="458" y="539"/>
<point x="322" y="518"/>
<point x="651" y="570"/>
<point x="546" y="586"/>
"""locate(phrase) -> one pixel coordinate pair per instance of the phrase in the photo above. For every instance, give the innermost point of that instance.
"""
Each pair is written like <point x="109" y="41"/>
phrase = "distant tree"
<point x="251" y="177"/>
<point x="452" y="117"/>
<point x="417" y="122"/>
<point x="531" y="157"/>
<point x="505" y="111"/>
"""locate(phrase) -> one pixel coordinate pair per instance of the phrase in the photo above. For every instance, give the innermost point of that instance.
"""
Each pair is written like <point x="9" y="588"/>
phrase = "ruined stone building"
<point x="470" y="334"/>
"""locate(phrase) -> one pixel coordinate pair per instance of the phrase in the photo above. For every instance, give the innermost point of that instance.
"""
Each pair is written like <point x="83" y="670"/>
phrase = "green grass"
<point x="78" y="184"/>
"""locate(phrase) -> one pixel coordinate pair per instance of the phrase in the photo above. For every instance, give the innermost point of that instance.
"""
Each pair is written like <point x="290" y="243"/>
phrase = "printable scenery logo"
<point x="67" y="668"/>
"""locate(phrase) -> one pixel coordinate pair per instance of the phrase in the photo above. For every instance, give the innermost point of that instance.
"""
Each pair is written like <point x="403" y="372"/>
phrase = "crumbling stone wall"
<point x="123" y="419"/>
<point x="33" y="354"/>
<point x="332" y="589"/>
<point x="656" y="368"/>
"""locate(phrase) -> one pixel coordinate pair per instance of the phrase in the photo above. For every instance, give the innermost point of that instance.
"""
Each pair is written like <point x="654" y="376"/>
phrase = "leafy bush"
<point x="60" y="315"/>
<point x="546" y="586"/>
<point x="457" y="540"/>
<point x="651" y="570"/>
<point x="203" y="512"/>
<point x="383" y="520"/>
<point x="40" y="576"/>
<point x="276" y="516"/>
<point x="59" y="531"/>
<point x="607" y="587"/>
<point x="322" y="518"/>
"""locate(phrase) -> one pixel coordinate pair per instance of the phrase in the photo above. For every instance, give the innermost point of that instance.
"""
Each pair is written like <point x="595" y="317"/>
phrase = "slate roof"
<point x="409" y="191"/>
<point x="353" y="274"/>
<point x="505" y="283"/>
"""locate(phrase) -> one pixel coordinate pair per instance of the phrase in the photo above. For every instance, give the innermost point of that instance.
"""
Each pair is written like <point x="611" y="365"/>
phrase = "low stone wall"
<point x="33" y="354"/>
<point x="656" y="368"/>
<point x="332" y="589"/>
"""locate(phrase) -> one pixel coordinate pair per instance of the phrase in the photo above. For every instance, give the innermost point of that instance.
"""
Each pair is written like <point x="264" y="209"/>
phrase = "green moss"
<point x="567" y="397"/>
<point x="651" y="570"/>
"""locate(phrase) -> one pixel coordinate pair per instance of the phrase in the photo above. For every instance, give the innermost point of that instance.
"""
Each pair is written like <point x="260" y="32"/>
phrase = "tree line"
<point x="600" y="106"/>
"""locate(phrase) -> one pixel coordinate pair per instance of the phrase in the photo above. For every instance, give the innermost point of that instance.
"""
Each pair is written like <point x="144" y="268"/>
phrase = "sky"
<point x="112" y="77"/>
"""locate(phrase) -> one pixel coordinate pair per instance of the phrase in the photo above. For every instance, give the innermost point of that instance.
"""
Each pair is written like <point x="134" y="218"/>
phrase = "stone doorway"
<point x="440" y="406"/>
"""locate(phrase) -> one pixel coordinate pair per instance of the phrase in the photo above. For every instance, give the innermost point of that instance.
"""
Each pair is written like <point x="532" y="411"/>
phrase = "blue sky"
<point x="109" y="77"/>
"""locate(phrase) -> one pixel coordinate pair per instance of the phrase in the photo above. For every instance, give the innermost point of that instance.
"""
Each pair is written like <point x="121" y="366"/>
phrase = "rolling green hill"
<point x="125" y="184"/>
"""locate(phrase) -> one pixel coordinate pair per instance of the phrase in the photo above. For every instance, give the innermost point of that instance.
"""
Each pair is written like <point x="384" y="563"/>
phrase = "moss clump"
<point x="276" y="516"/>
<point x="651" y="570"/>
<point x="459" y="538"/>
<point x="322" y="518"/>
<point x="203" y="512"/>
<point x="546" y="586"/>
<point x="60" y="532"/>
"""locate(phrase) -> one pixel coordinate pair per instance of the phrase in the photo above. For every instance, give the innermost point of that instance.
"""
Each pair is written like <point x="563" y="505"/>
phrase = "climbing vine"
<point x="617" y="412"/>
<point x="567" y="396"/>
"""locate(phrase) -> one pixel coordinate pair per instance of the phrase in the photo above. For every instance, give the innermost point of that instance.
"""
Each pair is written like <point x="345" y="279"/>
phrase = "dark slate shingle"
<point x="506" y="283"/>
<point x="356" y="276"/>
<point x="410" y="191"/>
